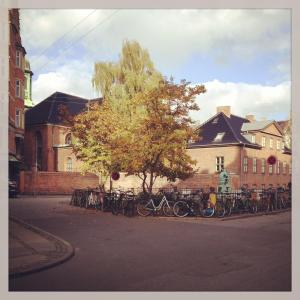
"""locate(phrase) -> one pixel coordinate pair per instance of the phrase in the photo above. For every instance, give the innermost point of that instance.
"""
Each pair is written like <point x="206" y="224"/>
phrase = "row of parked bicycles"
<point x="183" y="203"/>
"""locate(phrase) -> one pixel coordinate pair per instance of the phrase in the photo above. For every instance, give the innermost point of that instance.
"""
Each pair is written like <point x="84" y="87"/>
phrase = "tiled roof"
<point x="47" y="111"/>
<point x="258" y="125"/>
<point x="231" y="126"/>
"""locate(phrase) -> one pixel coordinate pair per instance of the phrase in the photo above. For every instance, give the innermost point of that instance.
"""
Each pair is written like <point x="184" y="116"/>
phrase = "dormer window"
<point x="68" y="139"/>
<point x="215" y="121"/>
<point x="219" y="137"/>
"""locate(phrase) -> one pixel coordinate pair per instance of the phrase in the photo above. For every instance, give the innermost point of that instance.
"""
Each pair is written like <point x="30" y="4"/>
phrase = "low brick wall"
<point x="55" y="182"/>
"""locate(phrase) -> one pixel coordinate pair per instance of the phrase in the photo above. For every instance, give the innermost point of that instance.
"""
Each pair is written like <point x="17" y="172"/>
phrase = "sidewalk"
<point x="32" y="249"/>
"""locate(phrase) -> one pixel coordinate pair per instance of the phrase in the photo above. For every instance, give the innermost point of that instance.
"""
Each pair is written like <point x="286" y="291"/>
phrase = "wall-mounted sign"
<point x="271" y="160"/>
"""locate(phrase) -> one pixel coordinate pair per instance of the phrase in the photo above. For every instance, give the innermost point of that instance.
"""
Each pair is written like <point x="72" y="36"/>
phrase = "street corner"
<point x="32" y="249"/>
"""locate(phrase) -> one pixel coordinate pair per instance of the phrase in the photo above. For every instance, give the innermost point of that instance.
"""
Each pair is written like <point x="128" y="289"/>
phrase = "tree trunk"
<point x="151" y="183"/>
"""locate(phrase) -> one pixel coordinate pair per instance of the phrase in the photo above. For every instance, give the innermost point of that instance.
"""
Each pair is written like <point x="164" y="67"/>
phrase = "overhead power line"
<point x="64" y="35"/>
<point x="77" y="40"/>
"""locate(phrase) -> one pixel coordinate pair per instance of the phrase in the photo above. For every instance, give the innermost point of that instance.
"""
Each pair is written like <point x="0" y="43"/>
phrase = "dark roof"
<point x="47" y="111"/>
<point x="231" y="126"/>
<point x="283" y="124"/>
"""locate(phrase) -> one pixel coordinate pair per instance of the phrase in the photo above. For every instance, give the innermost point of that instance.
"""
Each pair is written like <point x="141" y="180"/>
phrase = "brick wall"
<point x="55" y="182"/>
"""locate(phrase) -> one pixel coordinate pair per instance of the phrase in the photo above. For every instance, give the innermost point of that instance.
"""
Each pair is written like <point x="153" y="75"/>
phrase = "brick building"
<point x="16" y="95"/>
<point x="51" y="166"/>
<point x="47" y="138"/>
<point x="242" y="147"/>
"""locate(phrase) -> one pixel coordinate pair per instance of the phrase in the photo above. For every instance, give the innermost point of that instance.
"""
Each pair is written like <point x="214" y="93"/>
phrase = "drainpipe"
<point x="242" y="170"/>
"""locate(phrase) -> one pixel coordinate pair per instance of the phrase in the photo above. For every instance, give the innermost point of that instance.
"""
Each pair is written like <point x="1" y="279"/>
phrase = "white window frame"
<point x="270" y="169"/>
<point x="263" y="166"/>
<point x="245" y="164"/>
<point x="284" y="168"/>
<point x="18" y="118"/>
<point x="254" y="167"/>
<point x="69" y="164"/>
<point x="220" y="163"/>
<point x="271" y="144"/>
<point x="253" y="139"/>
<point x="263" y="141"/>
<point x="219" y="137"/>
<point x="278" y="145"/>
<point x="278" y="167"/>
<point x="18" y="59"/>
<point x="18" y="88"/>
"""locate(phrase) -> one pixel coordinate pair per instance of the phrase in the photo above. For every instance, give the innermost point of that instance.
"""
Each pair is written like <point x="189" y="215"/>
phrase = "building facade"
<point x="28" y="86"/>
<point x="242" y="147"/>
<point x="48" y="140"/>
<point x="16" y="95"/>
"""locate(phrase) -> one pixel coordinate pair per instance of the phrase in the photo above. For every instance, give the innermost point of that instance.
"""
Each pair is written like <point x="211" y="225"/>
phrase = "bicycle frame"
<point x="160" y="205"/>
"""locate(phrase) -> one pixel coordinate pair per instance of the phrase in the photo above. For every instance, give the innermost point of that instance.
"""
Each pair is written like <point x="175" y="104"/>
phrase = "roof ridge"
<point x="209" y="119"/>
<point x="69" y="95"/>
<point x="234" y="134"/>
<point x="239" y="117"/>
<point x="51" y="108"/>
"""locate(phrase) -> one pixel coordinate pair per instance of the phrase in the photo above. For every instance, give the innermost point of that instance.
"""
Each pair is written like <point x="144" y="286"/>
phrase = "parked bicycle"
<point x="155" y="204"/>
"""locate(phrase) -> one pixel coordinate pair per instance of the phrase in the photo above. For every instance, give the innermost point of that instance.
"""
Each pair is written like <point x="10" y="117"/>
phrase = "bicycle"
<point x="183" y="208"/>
<point x="147" y="206"/>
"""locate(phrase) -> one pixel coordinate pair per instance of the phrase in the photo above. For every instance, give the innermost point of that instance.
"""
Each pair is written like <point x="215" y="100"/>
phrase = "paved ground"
<point x="155" y="254"/>
<point x="32" y="249"/>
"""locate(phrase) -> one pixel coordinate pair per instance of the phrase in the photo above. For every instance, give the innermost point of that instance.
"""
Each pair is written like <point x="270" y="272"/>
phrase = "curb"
<point x="256" y="215"/>
<point x="61" y="245"/>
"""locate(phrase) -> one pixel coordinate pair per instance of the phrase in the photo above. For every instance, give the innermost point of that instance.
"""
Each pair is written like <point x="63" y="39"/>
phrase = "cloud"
<point x="171" y="36"/>
<point x="271" y="102"/>
<point x="74" y="80"/>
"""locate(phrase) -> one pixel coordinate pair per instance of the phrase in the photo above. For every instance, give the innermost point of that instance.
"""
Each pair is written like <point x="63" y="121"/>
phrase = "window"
<point x="18" y="118"/>
<point x="245" y="164"/>
<point x="254" y="165"/>
<point x="219" y="163"/>
<point x="68" y="139"/>
<point x="290" y="169"/>
<point x="278" y="145"/>
<point x="263" y="166"/>
<point x="219" y="137"/>
<point x="278" y="167"/>
<point x="253" y="139"/>
<point x="18" y="59"/>
<point x="270" y="169"/>
<point x="284" y="168"/>
<point x="69" y="164"/>
<point x="215" y="121"/>
<point x="271" y="143"/>
<point x="282" y="146"/>
<point x="263" y="141"/>
<point x="18" y="88"/>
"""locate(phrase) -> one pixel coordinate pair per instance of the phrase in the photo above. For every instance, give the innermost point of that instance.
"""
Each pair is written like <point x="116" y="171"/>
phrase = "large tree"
<point x="143" y="124"/>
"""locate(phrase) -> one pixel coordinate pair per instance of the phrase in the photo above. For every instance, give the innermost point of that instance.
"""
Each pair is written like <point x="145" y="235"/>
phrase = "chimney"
<point x="251" y="118"/>
<point x="224" y="109"/>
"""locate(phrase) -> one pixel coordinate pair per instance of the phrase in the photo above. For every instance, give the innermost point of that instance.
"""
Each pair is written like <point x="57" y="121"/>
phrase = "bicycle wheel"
<point x="144" y="208"/>
<point x="115" y="207"/>
<point x="181" y="209"/>
<point x="228" y="208"/>
<point x="168" y="209"/>
<point x="220" y="209"/>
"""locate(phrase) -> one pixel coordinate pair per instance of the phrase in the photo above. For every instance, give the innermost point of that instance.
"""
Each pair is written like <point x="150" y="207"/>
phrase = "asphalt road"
<point x="116" y="253"/>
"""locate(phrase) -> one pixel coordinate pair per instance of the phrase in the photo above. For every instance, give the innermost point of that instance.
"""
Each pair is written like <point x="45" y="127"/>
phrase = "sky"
<point x="242" y="56"/>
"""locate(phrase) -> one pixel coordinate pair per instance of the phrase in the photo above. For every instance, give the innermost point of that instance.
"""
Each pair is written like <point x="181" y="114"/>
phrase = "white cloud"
<point x="74" y="79"/>
<point x="171" y="36"/>
<point x="259" y="100"/>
